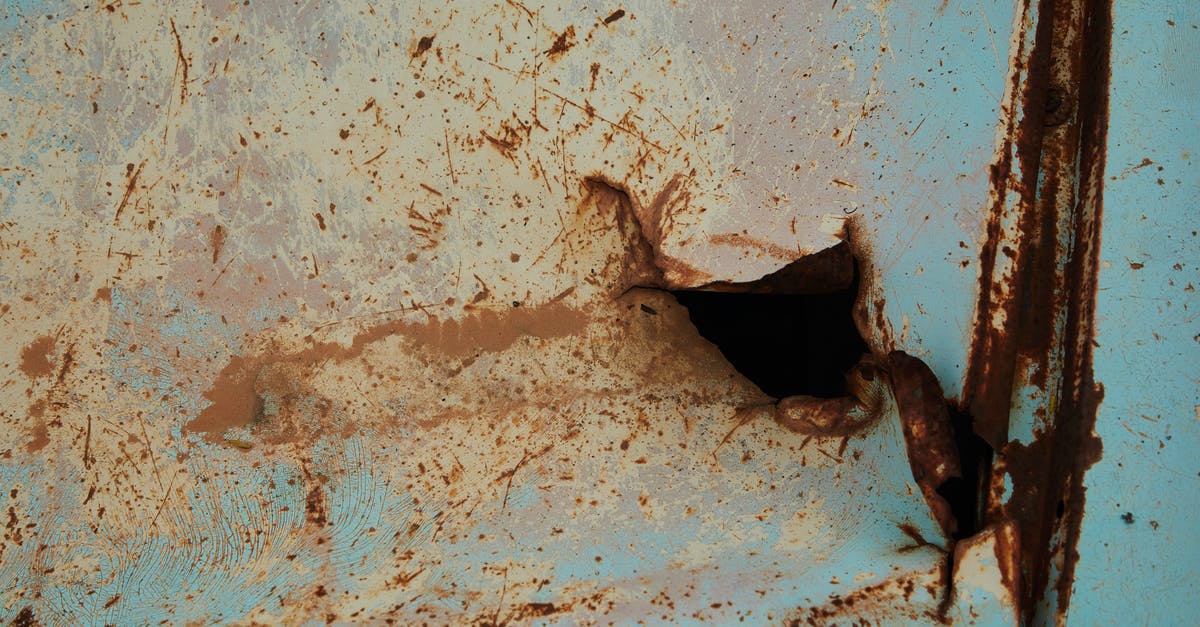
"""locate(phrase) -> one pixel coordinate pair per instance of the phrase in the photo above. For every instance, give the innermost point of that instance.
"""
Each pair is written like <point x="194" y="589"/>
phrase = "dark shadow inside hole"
<point x="786" y="344"/>
<point x="964" y="493"/>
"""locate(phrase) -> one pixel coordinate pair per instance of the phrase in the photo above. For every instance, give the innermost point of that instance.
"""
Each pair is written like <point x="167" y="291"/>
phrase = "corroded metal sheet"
<point x="339" y="312"/>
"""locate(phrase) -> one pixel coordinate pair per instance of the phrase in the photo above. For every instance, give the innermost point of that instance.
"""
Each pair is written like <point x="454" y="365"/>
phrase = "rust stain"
<point x="216" y="241"/>
<point x="928" y="432"/>
<point x="745" y="241"/>
<point x="988" y="381"/>
<point x="1072" y="46"/>
<point x="40" y="433"/>
<point x="35" y="358"/>
<point x="826" y="417"/>
<point x="829" y="270"/>
<point x="562" y="43"/>
<point x="236" y="395"/>
<point x="423" y="45"/>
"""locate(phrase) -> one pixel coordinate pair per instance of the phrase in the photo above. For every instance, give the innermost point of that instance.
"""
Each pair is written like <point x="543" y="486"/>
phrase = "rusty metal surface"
<point x="339" y="312"/>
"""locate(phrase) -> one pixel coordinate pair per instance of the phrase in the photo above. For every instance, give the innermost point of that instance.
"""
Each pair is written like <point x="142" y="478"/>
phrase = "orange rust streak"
<point x="128" y="191"/>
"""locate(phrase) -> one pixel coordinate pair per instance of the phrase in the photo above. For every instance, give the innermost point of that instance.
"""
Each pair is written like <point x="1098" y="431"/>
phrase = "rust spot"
<point x="315" y="510"/>
<point x="320" y="220"/>
<point x="423" y="46"/>
<point x="564" y="42"/>
<point x="104" y="294"/>
<point x="35" y="358"/>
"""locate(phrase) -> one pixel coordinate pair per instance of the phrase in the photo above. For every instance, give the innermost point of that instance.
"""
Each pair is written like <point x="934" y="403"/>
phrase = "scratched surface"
<point x="329" y="311"/>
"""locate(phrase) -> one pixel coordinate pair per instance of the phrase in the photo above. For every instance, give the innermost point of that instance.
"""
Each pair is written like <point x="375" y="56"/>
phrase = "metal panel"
<point x="329" y="312"/>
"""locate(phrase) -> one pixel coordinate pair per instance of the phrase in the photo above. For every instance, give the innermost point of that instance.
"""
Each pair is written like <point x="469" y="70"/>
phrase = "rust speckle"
<point x="614" y="16"/>
<point x="35" y="358"/>
<point x="236" y="396"/>
<point x="315" y="510"/>
<point x="25" y="618"/>
<point x="564" y="42"/>
<point x="423" y="45"/>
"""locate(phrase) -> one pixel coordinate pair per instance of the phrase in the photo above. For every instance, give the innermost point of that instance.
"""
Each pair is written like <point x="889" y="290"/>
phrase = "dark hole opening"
<point x="787" y="344"/>
<point x="964" y="494"/>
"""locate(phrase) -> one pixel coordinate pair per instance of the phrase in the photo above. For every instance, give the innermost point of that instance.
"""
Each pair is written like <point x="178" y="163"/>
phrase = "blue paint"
<point x="940" y="85"/>
<point x="1141" y="568"/>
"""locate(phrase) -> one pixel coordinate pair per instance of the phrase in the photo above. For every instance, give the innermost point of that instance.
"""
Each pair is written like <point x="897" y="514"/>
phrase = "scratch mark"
<point x="166" y="497"/>
<point x="183" y="90"/>
<point x="149" y="450"/>
<point x="87" y="445"/>
<point x="449" y="161"/>
<point x="592" y="113"/>
<point x="372" y="159"/>
<point x="222" y="272"/>
<point x="128" y="191"/>
<point x="511" y="473"/>
<point x="521" y="7"/>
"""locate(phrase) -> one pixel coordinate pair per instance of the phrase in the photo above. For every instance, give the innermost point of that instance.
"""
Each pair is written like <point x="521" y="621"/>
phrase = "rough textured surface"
<point x="320" y="310"/>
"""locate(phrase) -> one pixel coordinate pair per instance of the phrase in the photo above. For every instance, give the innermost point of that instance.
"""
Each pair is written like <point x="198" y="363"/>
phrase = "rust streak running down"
<point x="1059" y="147"/>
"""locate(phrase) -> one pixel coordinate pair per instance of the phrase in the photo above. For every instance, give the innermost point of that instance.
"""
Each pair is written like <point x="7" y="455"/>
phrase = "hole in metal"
<point x="964" y="494"/>
<point x="786" y="343"/>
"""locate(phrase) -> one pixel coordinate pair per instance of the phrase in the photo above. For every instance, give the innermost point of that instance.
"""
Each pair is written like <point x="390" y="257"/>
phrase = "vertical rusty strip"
<point x="1081" y="393"/>
<point x="990" y="371"/>
<point x="1043" y="340"/>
